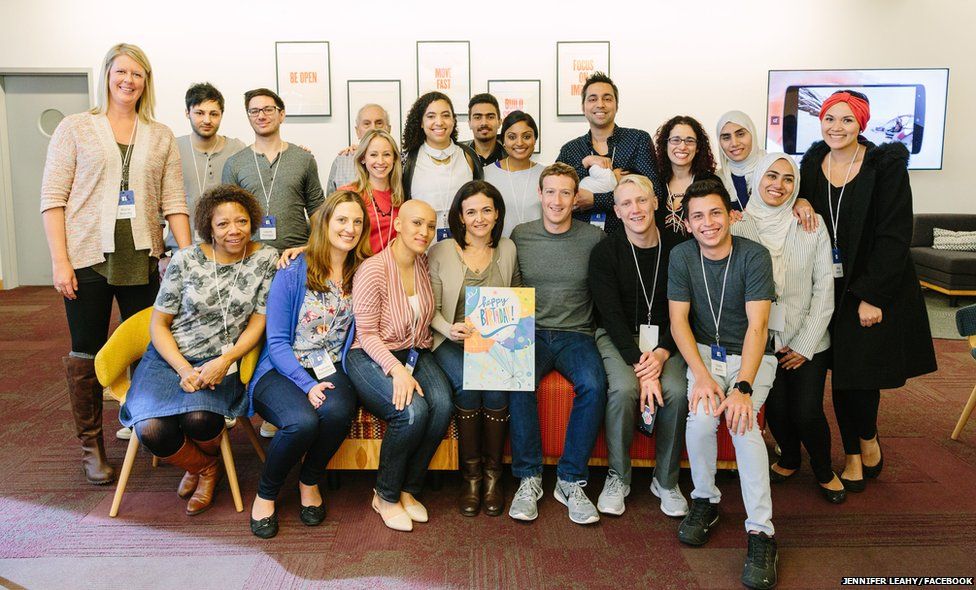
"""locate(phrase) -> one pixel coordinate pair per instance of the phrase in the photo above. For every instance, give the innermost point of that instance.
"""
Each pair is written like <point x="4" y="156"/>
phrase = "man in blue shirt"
<point x="624" y="151"/>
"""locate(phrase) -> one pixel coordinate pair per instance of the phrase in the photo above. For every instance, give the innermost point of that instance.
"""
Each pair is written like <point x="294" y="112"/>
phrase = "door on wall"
<point x="35" y="104"/>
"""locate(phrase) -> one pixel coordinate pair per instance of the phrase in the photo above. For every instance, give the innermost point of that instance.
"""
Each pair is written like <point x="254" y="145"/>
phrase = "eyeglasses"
<point x="688" y="141"/>
<point x="270" y="110"/>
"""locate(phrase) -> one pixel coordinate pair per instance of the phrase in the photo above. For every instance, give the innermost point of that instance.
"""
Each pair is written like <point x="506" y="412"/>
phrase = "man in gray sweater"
<point x="553" y="254"/>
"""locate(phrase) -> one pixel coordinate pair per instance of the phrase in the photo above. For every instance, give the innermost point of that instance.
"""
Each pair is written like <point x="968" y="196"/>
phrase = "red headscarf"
<point x="859" y="106"/>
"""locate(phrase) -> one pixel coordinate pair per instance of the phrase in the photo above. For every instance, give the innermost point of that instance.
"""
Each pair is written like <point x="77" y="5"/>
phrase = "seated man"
<point x="628" y="279"/>
<point x="553" y="253"/>
<point x="720" y="289"/>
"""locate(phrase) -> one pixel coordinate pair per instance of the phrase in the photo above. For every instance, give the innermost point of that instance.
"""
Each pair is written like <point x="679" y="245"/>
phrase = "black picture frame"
<point x="396" y="126"/>
<point x="290" y="101"/>
<point x="563" y="110"/>
<point x="536" y="115"/>
<point x="460" y="102"/>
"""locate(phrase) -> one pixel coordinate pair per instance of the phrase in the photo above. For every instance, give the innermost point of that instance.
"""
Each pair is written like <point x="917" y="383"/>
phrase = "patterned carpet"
<point x="918" y="520"/>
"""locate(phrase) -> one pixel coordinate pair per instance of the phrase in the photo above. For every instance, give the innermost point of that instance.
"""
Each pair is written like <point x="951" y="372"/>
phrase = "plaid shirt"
<point x="343" y="172"/>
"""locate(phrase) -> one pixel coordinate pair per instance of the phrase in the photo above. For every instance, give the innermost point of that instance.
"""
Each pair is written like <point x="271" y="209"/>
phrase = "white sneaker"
<point x="571" y="494"/>
<point x="230" y="422"/>
<point x="526" y="500"/>
<point x="268" y="429"/>
<point x="673" y="502"/>
<point x="611" y="500"/>
<point x="123" y="433"/>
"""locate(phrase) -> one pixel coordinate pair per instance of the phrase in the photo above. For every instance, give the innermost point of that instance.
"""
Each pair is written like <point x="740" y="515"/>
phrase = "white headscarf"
<point x="746" y="167"/>
<point x="774" y="223"/>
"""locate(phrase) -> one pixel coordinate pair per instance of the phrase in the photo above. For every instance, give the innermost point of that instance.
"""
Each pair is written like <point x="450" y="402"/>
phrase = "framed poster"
<point x="445" y="66"/>
<point x="500" y="355"/>
<point x="385" y="93"/>
<point x="520" y="95"/>
<point x="575" y="62"/>
<point x="304" y="77"/>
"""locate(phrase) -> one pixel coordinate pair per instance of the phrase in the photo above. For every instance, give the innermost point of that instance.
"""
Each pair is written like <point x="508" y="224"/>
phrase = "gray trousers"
<point x="623" y="399"/>
<point x="750" y="450"/>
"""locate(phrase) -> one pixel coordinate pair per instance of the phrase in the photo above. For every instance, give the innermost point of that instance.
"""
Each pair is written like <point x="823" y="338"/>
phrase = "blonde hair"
<point x="640" y="181"/>
<point x="317" y="253"/>
<point x="146" y="105"/>
<point x="362" y="175"/>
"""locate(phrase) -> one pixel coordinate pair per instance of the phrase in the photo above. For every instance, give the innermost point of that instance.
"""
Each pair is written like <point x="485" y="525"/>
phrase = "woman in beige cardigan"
<point x="111" y="175"/>
<point x="477" y="256"/>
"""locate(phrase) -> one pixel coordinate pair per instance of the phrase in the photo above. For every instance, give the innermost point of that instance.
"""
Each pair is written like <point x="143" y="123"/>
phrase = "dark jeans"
<point x="795" y="413"/>
<point x="89" y="315"/>
<point x="413" y="433"/>
<point x="165" y="435"/>
<point x="857" y="416"/>
<point x="576" y="357"/>
<point x="450" y="356"/>
<point x="302" y="429"/>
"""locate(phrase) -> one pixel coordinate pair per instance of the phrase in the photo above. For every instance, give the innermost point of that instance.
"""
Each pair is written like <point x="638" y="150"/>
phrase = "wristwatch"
<point x="744" y="387"/>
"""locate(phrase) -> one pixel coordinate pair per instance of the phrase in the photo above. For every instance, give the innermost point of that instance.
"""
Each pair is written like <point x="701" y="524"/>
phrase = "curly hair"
<point x="317" y="254"/>
<point x="413" y="129"/>
<point x="217" y="196"/>
<point x="703" y="163"/>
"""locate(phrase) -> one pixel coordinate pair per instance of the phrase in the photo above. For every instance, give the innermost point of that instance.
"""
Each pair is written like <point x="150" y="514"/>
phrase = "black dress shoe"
<point x="312" y="515"/>
<point x="266" y="527"/>
<point x="853" y="485"/>
<point x="873" y="471"/>
<point x="834" y="496"/>
<point x="777" y="477"/>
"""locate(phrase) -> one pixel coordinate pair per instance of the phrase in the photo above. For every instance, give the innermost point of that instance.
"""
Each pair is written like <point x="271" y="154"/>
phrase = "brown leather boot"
<point x="469" y="459"/>
<point x="209" y="476"/>
<point x="496" y="431"/>
<point x="190" y="458"/>
<point x="85" y="393"/>
<point x="188" y="485"/>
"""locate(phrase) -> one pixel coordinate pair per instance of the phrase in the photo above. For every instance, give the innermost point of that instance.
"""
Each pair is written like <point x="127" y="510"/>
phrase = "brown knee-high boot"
<point x="85" y="393"/>
<point x="191" y="458"/>
<point x="496" y="431"/>
<point x="469" y="459"/>
<point x="209" y="476"/>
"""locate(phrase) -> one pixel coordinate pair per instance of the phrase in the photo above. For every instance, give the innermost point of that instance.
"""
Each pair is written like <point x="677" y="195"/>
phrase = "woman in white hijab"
<point x="739" y="156"/>
<point x="798" y="320"/>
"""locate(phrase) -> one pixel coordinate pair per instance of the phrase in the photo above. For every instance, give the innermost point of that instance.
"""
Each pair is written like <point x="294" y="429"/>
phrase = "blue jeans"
<point x="575" y="355"/>
<point x="413" y="433"/>
<point x="302" y="429"/>
<point x="450" y="356"/>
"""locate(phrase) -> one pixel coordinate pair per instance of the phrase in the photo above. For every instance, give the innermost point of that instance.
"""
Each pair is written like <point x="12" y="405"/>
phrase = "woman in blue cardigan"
<point x="299" y="385"/>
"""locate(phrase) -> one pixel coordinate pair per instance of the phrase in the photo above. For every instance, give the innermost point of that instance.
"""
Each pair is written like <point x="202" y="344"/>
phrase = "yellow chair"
<point x="125" y="346"/>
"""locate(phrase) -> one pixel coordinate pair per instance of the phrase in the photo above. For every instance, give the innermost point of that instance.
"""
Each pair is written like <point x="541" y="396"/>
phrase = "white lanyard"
<point x="519" y="197"/>
<point x="721" y="302"/>
<point x="220" y="298"/>
<point x="203" y="184"/>
<point x="128" y="151"/>
<point x="379" y="229"/>
<point x="640" y="278"/>
<point x="274" y="174"/>
<point x="835" y="219"/>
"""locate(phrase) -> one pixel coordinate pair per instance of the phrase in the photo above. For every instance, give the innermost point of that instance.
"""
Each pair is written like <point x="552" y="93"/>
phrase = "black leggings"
<point x="164" y="436"/>
<point x="89" y="315"/>
<point x="794" y="410"/>
<point x="857" y="416"/>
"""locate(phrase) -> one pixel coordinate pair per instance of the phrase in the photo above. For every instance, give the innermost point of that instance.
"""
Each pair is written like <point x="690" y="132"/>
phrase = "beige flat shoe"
<point x="398" y="521"/>
<point x="414" y="508"/>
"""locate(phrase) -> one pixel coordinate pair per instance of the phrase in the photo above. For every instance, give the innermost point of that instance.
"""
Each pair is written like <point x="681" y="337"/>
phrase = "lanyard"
<point x="220" y="298"/>
<point x="379" y="229"/>
<point x="834" y="219"/>
<point x="128" y="156"/>
<point x="267" y="193"/>
<point x="640" y="278"/>
<point x="519" y="197"/>
<point x="721" y="302"/>
<point x="203" y="184"/>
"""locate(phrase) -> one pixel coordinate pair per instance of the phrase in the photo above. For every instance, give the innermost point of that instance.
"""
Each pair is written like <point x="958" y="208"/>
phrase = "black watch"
<point x="744" y="387"/>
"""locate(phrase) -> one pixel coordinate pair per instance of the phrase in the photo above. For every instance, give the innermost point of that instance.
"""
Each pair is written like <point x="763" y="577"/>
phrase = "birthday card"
<point x="500" y="355"/>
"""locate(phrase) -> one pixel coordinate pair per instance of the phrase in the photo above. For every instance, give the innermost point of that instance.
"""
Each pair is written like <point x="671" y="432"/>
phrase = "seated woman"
<point x="517" y="176"/>
<point x="391" y="365"/>
<point x="477" y="256"/>
<point x="380" y="184"/>
<point x="209" y="313"/>
<point x="798" y="321"/>
<point x="299" y="385"/>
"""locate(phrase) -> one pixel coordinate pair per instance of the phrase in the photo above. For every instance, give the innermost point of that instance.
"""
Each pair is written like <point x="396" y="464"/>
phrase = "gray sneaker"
<point x="524" y="504"/>
<point x="581" y="510"/>
<point x="673" y="502"/>
<point x="611" y="500"/>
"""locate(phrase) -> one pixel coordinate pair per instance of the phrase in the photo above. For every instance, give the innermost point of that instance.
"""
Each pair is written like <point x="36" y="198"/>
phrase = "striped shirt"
<point x="384" y="317"/>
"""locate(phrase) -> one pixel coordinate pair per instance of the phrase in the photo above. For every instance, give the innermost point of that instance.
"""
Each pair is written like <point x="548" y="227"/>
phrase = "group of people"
<point x="671" y="295"/>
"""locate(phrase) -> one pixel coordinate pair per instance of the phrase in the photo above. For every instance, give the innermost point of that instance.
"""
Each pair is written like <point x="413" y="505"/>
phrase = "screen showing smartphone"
<point x="897" y="114"/>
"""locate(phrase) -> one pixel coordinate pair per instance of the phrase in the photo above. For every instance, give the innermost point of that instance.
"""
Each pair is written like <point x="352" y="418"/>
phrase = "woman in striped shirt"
<point x="392" y="367"/>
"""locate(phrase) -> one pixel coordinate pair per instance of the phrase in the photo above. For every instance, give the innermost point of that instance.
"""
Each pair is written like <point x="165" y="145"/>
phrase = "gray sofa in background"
<point x="946" y="271"/>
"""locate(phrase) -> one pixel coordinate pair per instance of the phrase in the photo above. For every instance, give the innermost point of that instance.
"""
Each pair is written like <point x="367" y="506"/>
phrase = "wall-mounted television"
<point x="906" y="105"/>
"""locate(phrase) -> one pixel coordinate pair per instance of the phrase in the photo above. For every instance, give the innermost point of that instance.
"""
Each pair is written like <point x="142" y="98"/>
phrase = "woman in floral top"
<point x="299" y="385"/>
<point x="209" y="313"/>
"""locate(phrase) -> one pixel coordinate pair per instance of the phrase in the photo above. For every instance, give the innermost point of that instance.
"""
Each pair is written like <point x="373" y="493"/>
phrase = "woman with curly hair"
<point x="209" y="313"/>
<point x="684" y="155"/>
<point x="435" y="165"/>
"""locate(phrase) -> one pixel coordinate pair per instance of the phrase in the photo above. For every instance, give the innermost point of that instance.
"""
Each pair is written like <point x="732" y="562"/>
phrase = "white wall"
<point x="698" y="58"/>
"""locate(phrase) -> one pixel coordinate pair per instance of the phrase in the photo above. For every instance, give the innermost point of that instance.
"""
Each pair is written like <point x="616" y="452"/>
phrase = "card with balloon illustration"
<point x="500" y="355"/>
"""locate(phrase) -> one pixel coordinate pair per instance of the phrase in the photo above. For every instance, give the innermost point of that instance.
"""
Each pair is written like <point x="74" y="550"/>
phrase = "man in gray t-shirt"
<point x="720" y="290"/>
<point x="283" y="177"/>
<point x="554" y="255"/>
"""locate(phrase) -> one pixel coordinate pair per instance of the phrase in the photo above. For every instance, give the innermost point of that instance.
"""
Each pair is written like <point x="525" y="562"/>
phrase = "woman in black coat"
<point x="880" y="330"/>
